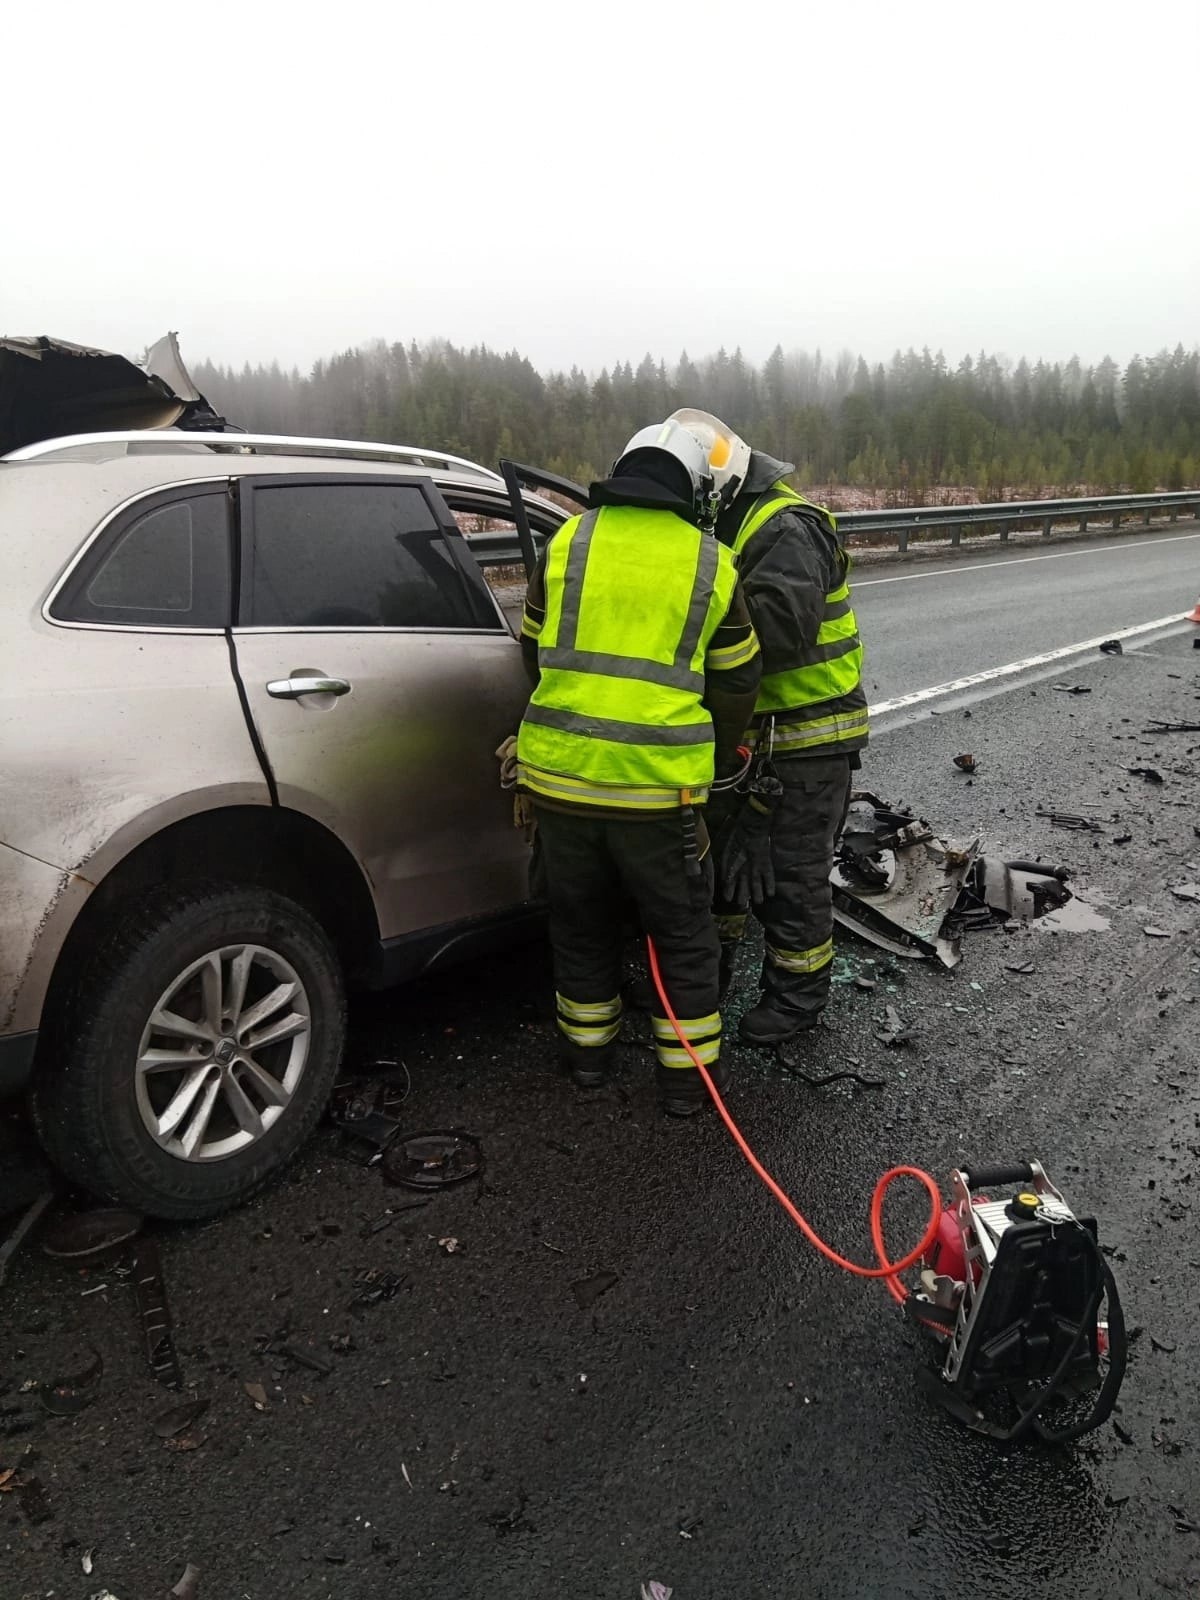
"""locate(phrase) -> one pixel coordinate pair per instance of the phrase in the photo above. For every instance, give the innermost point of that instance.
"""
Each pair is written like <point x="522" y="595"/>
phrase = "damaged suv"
<point x="252" y="688"/>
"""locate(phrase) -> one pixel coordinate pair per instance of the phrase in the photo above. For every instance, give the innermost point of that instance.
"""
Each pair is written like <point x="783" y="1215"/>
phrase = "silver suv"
<point x="250" y="694"/>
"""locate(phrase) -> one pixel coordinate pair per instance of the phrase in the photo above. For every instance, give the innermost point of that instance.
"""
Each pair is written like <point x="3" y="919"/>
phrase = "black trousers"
<point x="798" y="918"/>
<point x="597" y="870"/>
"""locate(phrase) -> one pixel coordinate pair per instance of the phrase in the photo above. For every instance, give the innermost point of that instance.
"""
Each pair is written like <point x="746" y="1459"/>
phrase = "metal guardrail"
<point x="1006" y="515"/>
<point x="876" y="527"/>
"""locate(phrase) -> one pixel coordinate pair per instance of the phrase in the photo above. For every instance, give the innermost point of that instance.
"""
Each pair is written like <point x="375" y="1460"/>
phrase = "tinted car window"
<point x="345" y="555"/>
<point x="166" y="565"/>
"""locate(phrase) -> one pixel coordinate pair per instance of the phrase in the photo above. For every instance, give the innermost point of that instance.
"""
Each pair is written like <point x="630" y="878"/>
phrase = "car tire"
<point x="110" y="1099"/>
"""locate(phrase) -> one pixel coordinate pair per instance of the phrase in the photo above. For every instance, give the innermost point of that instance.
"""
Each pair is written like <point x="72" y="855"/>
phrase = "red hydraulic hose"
<point x="887" y="1270"/>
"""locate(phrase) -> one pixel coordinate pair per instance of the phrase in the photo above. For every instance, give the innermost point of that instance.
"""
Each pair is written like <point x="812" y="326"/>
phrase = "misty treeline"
<point x="905" y="429"/>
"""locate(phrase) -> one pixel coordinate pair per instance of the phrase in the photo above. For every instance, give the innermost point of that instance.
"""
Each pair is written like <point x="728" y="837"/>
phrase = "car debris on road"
<point x="903" y="889"/>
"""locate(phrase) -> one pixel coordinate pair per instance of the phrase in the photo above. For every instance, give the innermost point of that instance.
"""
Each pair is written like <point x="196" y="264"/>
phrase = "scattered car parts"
<point x="91" y="1233"/>
<point x="432" y="1160"/>
<point x="900" y="887"/>
<point x="62" y="1397"/>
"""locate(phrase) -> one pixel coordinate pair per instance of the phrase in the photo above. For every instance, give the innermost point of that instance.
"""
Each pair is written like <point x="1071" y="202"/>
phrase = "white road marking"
<point x="1020" y="561"/>
<point x="1012" y="668"/>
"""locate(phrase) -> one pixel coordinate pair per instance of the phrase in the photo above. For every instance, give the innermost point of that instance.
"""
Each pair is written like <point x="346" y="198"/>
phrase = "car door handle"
<point x="293" y="688"/>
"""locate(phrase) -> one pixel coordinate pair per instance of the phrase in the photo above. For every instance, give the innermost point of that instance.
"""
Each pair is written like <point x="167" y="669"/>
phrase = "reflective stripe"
<point x="832" y="649"/>
<point x="588" y="1011"/>
<point x="733" y="655"/>
<point x="576" y="571"/>
<point x="593" y="727"/>
<point x="591" y="1036"/>
<point x="702" y="1033"/>
<point x="823" y="676"/>
<point x="634" y="598"/>
<point x="693" y="1027"/>
<point x="707" y="560"/>
<point x="614" y="666"/>
<point x="801" y="960"/>
<point x="709" y="1051"/>
<point x="560" y="786"/>
<point x="821" y="730"/>
<point x="777" y="498"/>
<point x="529" y="628"/>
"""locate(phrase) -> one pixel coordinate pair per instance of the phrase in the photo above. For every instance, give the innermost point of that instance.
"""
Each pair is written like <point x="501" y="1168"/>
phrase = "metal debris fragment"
<point x="432" y="1160"/>
<point x="893" y="882"/>
<point x="1156" y="726"/>
<point x="588" y="1290"/>
<point x="1151" y="774"/>
<point x="1071" y="688"/>
<point x="1157" y="933"/>
<point x="1185" y="891"/>
<point x="375" y="1285"/>
<point x="656" y="1591"/>
<point x="150" y="1299"/>
<point x="1067" y="819"/>
<point x="1023" y="968"/>
<point x="966" y="762"/>
<point x="1111" y="647"/>
<point x="894" y="1033"/>
<point x="369" y="1109"/>
<point x="175" y="1420"/>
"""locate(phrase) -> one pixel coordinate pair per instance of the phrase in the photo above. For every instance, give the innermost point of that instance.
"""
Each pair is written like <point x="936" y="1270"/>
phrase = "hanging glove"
<point x="746" y="869"/>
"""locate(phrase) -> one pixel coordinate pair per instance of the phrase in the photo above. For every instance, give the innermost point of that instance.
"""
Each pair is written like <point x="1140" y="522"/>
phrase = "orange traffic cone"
<point x="1194" y="614"/>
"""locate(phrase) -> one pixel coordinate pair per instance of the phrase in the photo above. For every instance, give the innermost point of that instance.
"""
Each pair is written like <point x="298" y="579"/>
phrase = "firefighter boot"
<point x="681" y="1090"/>
<point x="590" y="1066"/>
<point x="791" y="1003"/>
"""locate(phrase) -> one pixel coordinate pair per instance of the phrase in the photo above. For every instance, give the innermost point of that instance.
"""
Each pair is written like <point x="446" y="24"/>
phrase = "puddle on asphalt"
<point x="1073" y="916"/>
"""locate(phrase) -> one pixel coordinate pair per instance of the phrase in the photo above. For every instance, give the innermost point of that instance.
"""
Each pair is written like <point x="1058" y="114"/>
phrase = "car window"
<point x="165" y="565"/>
<point x="346" y="555"/>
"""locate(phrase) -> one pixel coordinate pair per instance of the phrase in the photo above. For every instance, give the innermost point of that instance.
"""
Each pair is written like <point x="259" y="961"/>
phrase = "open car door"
<point x="517" y="477"/>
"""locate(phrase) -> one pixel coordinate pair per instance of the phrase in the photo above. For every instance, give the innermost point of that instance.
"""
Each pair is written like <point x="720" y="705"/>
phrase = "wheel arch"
<point x="252" y="845"/>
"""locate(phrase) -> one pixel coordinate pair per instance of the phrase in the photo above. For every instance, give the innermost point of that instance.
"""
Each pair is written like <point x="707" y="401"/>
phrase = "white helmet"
<point x="674" y="439"/>
<point x="726" y="454"/>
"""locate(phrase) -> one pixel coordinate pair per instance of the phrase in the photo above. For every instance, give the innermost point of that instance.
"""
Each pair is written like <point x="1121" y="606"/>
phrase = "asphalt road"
<point x="732" y="1417"/>
<point x="927" y="622"/>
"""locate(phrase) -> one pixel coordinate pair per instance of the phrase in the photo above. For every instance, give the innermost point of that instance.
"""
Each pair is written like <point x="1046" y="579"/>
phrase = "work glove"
<point x="745" y="865"/>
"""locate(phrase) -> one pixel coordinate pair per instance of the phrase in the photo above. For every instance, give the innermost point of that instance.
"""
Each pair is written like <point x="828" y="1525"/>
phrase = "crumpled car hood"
<point x="50" y="388"/>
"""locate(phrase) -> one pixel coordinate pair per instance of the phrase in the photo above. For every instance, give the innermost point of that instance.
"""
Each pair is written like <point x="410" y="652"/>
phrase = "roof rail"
<point x="256" y="443"/>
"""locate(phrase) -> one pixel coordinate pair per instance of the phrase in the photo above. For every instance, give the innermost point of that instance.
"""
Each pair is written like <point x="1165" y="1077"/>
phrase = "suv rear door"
<point x="381" y="679"/>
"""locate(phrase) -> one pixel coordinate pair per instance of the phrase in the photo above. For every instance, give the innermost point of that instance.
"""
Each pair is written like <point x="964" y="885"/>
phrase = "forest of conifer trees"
<point x="902" y="432"/>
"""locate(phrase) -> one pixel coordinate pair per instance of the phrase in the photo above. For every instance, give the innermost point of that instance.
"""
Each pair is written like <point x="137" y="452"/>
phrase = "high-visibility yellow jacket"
<point x="633" y="600"/>
<point x="811" y="686"/>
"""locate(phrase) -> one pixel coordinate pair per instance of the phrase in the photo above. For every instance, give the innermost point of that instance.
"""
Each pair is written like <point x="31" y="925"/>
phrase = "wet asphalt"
<point x="732" y="1417"/>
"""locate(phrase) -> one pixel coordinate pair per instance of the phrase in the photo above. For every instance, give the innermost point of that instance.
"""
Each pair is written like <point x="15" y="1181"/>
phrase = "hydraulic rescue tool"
<point x="1014" y="1290"/>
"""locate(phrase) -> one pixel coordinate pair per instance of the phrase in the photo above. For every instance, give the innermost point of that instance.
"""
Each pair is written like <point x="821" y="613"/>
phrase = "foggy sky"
<point x="586" y="183"/>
